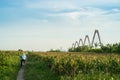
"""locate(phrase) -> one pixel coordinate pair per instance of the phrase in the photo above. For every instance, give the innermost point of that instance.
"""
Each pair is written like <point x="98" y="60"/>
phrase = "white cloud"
<point x="86" y="12"/>
<point x="53" y="4"/>
<point x="66" y="4"/>
<point x="116" y="10"/>
<point x="59" y="23"/>
<point x="81" y="14"/>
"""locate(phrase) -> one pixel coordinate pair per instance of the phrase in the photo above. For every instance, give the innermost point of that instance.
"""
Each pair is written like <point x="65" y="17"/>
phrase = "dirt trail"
<point x="20" y="73"/>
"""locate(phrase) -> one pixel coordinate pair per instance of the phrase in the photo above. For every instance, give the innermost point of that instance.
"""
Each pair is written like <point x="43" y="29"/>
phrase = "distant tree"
<point x="108" y="48"/>
<point x="70" y="50"/>
<point x="118" y="48"/>
<point x="85" y="48"/>
<point x="20" y="50"/>
<point x="57" y="50"/>
<point x="96" y="45"/>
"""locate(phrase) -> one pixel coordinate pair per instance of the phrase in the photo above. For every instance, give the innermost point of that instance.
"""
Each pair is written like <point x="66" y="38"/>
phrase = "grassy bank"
<point x="9" y="65"/>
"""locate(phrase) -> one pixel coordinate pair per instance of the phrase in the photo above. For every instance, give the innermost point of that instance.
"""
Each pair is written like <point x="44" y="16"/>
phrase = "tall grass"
<point x="9" y="65"/>
<point x="37" y="69"/>
<point x="74" y="66"/>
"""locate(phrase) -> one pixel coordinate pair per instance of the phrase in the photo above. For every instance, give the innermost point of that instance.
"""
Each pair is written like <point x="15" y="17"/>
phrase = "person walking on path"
<point x="23" y="58"/>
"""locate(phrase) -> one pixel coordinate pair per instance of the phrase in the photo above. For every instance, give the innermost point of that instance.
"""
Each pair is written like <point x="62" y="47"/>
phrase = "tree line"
<point x="108" y="48"/>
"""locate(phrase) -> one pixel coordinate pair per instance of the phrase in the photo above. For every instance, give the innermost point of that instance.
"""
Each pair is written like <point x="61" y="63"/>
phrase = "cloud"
<point x="80" y="14"/>
<point x="45" y="24"/>
<point x="62" y="4"/>
<point x="54" y="4"/>
<point x="116" y="10"/>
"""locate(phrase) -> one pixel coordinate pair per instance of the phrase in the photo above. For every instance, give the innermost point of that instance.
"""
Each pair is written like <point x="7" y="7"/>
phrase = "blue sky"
<point x="55" y="24"/>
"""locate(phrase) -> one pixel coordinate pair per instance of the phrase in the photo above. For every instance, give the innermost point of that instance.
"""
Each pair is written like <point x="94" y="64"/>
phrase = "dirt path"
<point x="20" y="73"/>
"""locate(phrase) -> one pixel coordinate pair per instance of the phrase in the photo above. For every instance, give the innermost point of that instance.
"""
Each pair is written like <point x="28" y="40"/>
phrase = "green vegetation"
<point x="84" y="64"/>
<point x="9" y="65"/>
<point x="57" y="50"/>
<point x="72" y="66"/>
<point x="108" y="48"/>
<point x="37" y="69"/>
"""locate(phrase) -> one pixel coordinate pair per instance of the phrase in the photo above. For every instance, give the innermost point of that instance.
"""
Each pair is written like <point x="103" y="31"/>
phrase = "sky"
<point x="42" y="25"/>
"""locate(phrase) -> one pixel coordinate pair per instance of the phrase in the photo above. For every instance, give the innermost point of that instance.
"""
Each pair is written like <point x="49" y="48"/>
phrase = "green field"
<point x="72" y="66"/>
<point x="61" y="66"/>
<point x="9" y="65"/>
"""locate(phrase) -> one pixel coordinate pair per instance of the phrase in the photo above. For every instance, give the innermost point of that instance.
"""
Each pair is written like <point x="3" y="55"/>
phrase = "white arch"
<point x="75" y="44"/>
<point x="87" y="37"/>
<point x="81" y="42"/>
<point x="96" y="32"/>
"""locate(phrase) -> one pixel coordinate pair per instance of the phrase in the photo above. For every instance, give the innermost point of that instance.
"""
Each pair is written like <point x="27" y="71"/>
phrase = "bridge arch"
<point x="80" y="41"/>
<point x="87" y="38"/>
<point x="73" y="46"/>
<point x="90" y="42"/>
<point x="76" y="43"/>
<point x="96" y="33"/>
